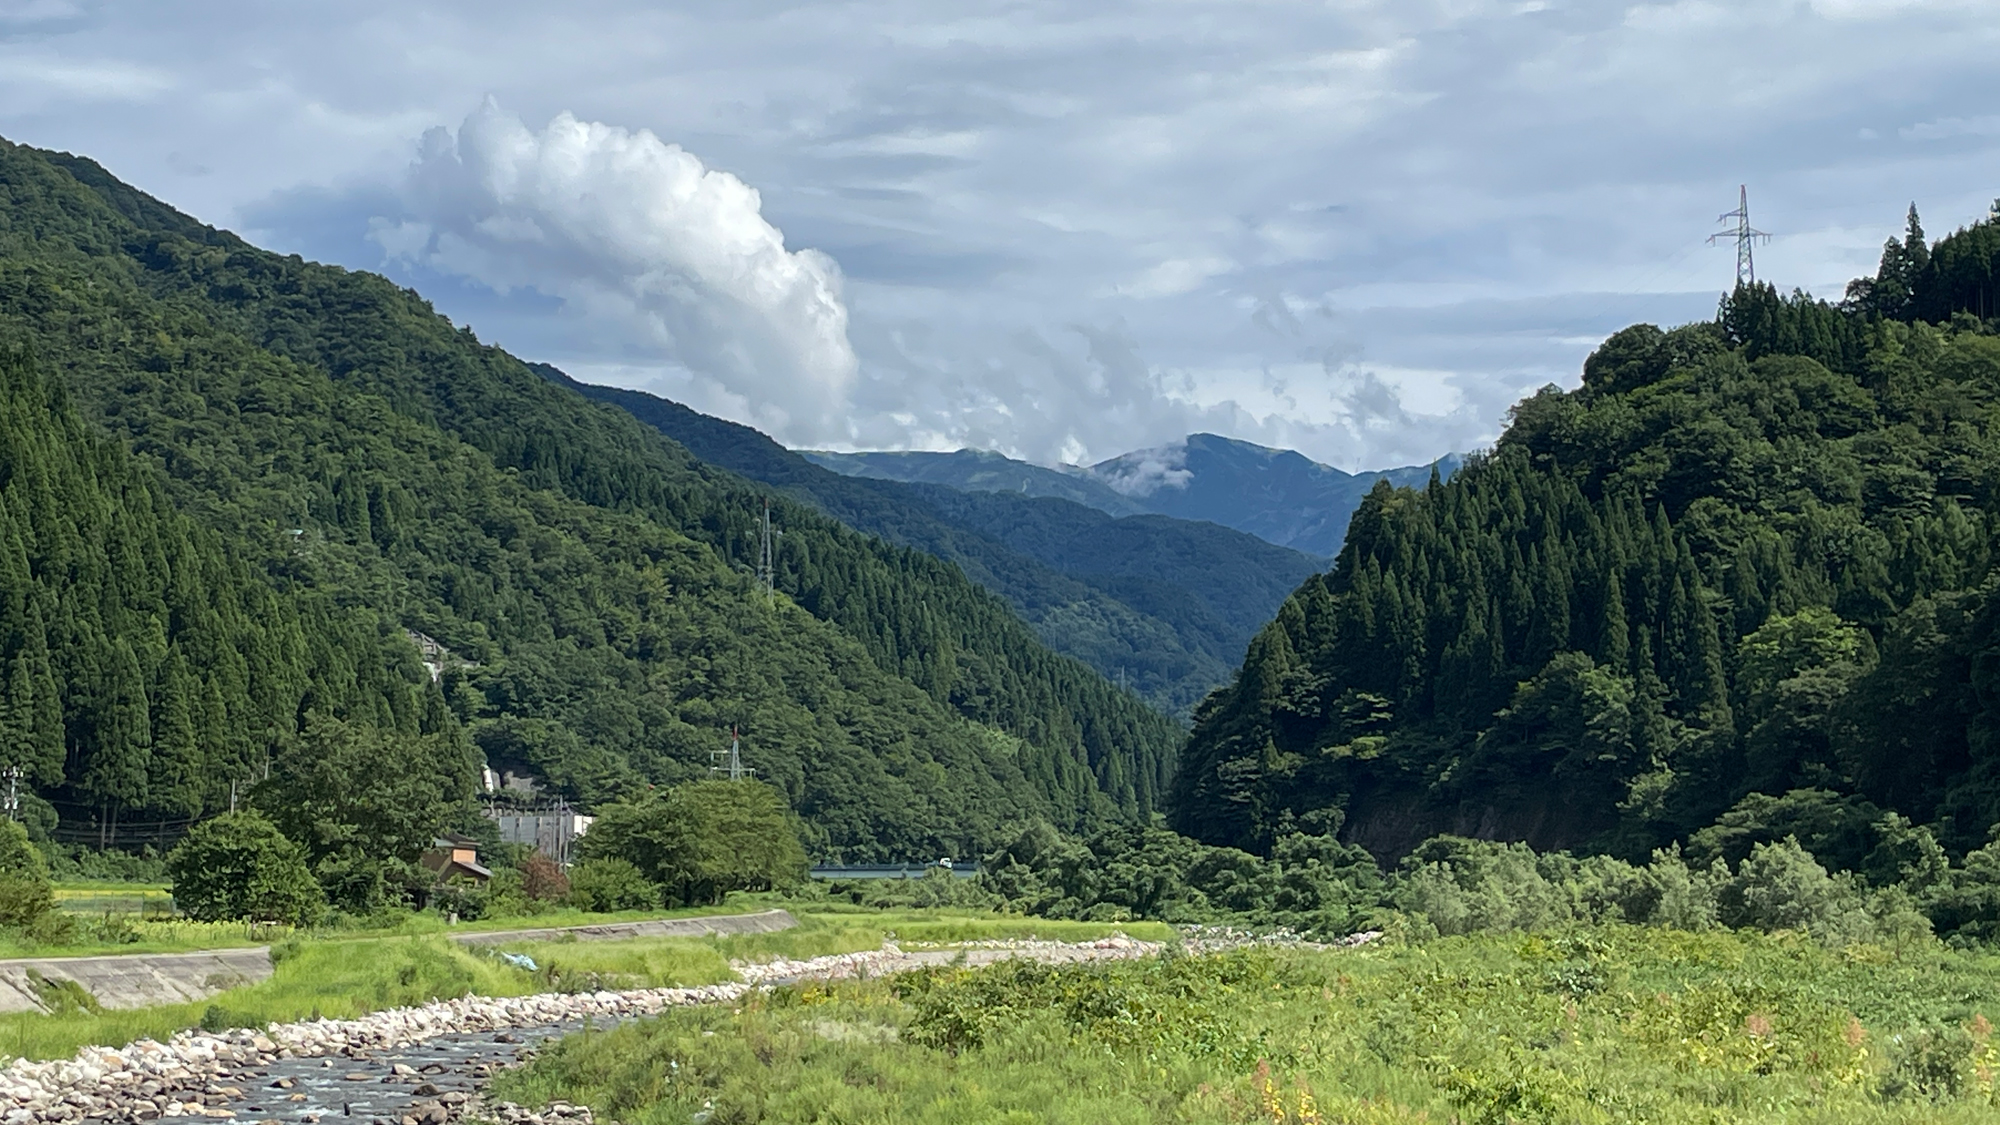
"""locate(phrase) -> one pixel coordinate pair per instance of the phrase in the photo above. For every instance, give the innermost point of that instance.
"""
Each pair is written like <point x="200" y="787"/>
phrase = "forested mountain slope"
<point x="1164" y="606"/>
<point x="143" y="667"/>
<point x="1748" y="557"/>
<point x="341" y="438"/>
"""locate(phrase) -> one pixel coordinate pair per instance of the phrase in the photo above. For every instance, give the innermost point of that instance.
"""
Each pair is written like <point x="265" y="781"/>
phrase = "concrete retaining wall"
<point x="141" y="980"/>
<point x="136" y="980"/>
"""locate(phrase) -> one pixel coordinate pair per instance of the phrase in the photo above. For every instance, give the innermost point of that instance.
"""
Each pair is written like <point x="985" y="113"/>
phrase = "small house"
<point x="454" y="857"/>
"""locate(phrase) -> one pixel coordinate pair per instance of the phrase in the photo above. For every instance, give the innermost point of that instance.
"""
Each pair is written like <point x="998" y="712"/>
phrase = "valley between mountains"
<point x="1643" y="766"/>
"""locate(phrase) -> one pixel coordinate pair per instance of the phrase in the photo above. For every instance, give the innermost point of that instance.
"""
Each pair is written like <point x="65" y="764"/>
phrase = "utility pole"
<point x="1743" y="234"/>
<point x="767" y="573"/>
<point x="732" y="767"/>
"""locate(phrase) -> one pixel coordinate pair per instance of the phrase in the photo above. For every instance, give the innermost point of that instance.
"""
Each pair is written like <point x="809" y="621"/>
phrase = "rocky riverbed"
<point x="414" y="1066"/>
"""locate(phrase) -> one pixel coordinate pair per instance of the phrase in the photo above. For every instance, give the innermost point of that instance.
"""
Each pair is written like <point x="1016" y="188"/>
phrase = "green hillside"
<point x="1745" y="558"/>
<point x="144" y="668"/>
<point x="341" y="440"/>
<point x="1164" y="606"/>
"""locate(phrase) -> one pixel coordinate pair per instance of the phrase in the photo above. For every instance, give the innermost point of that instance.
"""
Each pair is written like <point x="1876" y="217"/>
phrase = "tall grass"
<point x="1612" y="1024"/>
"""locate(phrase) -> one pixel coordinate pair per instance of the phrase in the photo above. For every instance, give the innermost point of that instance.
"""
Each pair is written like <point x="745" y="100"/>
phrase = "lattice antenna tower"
<point x="731" y="760"/>
<point x="1743" y="234"/>
<point x="767" y="572"/>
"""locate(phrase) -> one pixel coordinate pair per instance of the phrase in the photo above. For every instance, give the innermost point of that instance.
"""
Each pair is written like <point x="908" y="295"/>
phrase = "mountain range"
<point x="286" y="470"/>
<point x="1162" y="606"/>
<point x="1278" y="495"/>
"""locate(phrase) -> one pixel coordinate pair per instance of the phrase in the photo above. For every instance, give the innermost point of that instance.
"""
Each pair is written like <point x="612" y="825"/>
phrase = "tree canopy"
<point x="1745" y="558"/>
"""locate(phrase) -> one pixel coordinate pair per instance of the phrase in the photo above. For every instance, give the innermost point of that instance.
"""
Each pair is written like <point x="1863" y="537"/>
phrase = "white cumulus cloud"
<point x="643" y="244"/>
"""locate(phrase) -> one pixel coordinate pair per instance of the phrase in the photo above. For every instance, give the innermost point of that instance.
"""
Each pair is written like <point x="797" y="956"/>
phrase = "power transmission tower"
<point x="1744" y="235"/>
<point x="732" y="767"/>
<point x="13" y="792"/>
<point x="766" y="572"/>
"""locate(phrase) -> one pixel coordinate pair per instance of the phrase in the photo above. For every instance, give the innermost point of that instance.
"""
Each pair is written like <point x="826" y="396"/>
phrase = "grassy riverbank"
<point x="115" y="919"/>
<point x="1604" y="1025"/>
<point x="345" y="975"/>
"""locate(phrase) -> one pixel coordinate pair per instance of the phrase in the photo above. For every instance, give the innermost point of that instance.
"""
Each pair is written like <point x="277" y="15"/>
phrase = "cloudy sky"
<point x="1359" y="229"/>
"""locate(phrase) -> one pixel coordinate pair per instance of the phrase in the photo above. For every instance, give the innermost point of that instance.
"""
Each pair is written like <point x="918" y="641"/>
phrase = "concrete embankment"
<point x="142" y="980"/>
<point x="135" y="980"/>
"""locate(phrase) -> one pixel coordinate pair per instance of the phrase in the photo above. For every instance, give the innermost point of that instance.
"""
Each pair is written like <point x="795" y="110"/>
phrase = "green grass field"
<point x="1613" y="1025"/>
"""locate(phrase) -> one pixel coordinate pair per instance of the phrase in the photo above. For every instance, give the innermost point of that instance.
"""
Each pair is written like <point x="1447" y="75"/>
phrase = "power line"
<point x="1744" y="234"/>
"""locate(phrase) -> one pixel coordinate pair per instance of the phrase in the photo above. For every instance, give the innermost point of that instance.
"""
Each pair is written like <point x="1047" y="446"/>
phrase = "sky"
<point x="1062" y="231"/>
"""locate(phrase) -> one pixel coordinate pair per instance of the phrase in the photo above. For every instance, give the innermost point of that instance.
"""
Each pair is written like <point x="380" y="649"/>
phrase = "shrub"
<point x="1464" y="886"/>
<point x="609" y="884"/>
<point x="462" y="897"/>
<point x="239" y="866"/>
<point x="25" y="894"/>
<point x="542" y="879"/>
<point x="1929" y="1064"/>
<point x="1782" y="887"/>
<point x="507" y="896"/>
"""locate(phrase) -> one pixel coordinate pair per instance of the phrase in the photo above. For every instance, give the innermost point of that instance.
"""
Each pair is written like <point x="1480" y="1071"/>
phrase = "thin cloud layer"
<point x="1063" y="231"/>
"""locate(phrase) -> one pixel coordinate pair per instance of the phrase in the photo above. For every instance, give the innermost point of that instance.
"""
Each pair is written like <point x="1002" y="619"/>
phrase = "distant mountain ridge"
<point x="1163" y="606"/>
<point x="1278" y="495"/>
<point x="981" y="470"/>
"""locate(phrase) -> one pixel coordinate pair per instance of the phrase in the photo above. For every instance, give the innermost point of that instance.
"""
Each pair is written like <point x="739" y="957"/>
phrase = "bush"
<point x="1928" y="1064"/>
<point x="542" y="879"/>
<point x="1782" y="887"/>
<point x="462" y="897"/>
<point x="239" y="866"/>
<point x="1464" y="886"/>
<point x="367" y="886"/>
<point x="610" y="884"/>
<point x="507" y="896"/>
<point x="25" y="894"/>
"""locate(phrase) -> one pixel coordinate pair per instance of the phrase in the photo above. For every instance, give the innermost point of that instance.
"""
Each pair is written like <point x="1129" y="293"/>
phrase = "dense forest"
<point x="1163" y="606"/>
<point x="144" y="667"/>
<point x="1742" y="575"/>
<point x="338" y="455"/>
